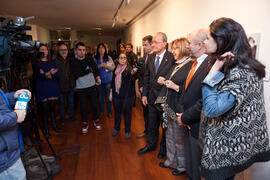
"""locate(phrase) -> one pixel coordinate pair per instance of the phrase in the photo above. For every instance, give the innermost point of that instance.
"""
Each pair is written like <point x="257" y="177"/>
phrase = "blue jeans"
<point x="16" y="171"/>
<point x="62" y="106"/>
<point x="104" y="91"/>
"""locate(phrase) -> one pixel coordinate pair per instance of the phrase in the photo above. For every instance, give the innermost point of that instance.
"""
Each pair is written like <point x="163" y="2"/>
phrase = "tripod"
<point x="36" y="142"/>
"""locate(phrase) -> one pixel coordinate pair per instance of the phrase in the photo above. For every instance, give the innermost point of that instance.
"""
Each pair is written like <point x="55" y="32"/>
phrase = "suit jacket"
<point x="151" y="88"/>
<point x="141" y="70"/>
<point x="192" y="99"/>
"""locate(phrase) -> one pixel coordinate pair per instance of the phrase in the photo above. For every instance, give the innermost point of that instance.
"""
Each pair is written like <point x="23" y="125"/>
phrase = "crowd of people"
<point x="208" y="97"/>
<point x="206" y="94"/>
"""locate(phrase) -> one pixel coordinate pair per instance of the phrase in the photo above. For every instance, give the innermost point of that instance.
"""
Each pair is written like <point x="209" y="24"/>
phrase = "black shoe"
<point x="127" y="135"/>
<point x="178" y="173"/>
<point x="146" y="149"/>
<point x="115" y="132"/>
<point x="161" y="155"/>
<point x="73" y="119"/>
<point x="56" y="129"/>
<point x="162" y="164"/>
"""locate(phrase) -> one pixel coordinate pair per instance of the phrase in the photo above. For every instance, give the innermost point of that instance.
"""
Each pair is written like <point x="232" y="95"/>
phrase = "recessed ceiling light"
<point x="97" y="28"/>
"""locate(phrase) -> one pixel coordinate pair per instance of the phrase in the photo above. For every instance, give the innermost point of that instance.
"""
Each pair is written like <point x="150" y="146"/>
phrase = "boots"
<point x="52" y="114"/>
<point x="45" y="112"/>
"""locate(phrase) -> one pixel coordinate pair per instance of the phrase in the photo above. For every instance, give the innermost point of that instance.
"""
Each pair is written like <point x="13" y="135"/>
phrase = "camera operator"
<point x="11" y="166"/>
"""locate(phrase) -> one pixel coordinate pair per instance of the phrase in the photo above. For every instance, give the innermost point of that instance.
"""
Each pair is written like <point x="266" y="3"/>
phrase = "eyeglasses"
<point x="62" y="49"/>
<point x="174" y="48"/>
<point x="122" y="57"/>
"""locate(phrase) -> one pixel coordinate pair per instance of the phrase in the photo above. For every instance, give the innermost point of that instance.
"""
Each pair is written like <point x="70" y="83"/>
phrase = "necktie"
<point x="157" y="64"/>
<point x="191" y="73"/>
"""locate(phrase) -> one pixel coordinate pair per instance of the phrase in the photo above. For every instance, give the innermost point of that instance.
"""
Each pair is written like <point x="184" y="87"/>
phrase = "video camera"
<point x="15" y="44"/>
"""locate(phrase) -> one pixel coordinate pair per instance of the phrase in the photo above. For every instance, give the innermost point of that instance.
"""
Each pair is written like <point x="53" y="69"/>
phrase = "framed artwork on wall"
<point x="139" y="51"/>
<point x="254" y="41"/>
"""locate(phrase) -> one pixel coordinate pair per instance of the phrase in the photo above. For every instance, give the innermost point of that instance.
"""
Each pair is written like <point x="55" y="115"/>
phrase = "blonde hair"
<point x="182" y="43"/>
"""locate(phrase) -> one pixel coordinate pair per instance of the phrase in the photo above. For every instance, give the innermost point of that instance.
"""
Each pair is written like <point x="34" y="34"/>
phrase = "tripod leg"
<point x="43" y="163"/>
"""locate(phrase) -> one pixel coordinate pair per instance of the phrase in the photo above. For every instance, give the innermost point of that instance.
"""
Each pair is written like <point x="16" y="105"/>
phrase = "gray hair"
<point x="164" y="36"/>
<point x="201" y="35"/>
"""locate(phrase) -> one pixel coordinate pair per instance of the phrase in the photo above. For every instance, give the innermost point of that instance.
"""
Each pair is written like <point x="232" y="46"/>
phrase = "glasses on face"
<point x="62" y="49"/>
<point x="122" y="57"/>
<point x="174" y="48"/>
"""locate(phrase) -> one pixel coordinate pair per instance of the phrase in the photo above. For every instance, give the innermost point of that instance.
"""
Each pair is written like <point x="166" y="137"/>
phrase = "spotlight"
<point x="113" y="24"/>
<point x="127" y="2"/>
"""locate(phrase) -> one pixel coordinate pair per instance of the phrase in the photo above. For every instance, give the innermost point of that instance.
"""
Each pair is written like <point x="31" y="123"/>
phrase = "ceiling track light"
<point x="127" y="2"/>
<point x="117" y="13"/>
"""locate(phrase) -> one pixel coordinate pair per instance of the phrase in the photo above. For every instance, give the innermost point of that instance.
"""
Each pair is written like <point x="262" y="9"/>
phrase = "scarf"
<point x="118" y="78"/>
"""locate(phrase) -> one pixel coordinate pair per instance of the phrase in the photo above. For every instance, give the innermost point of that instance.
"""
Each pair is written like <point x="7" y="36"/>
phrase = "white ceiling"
<point x="74" y="14"/>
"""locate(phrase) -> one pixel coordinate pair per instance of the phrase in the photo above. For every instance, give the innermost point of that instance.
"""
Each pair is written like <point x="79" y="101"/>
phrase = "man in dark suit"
<point x="158" y="64"/>
<point x="192" y="101"/>
<point x="131" y="56"/>
<point x="147" y="47"/>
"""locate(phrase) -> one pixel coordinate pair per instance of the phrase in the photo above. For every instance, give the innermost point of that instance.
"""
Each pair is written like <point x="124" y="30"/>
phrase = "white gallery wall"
<point x="91" y="39"/>
<point x="177" y="18"/>
<point x="39" y="33"/>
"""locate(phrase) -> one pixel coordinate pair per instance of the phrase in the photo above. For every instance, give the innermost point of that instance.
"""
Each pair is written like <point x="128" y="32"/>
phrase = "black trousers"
<point x="193" y="157"/>
<point x="145" y="116"/>
<point x="85" y="95"/>
<point x="154" y="121"/>
<point x="122" y="107"/>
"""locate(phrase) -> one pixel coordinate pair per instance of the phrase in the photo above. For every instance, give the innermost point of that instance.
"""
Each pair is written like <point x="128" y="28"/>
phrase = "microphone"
<point x="22" y="101"/>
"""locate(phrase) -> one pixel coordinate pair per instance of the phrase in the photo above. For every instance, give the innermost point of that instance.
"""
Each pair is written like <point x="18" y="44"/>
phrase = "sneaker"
<point x="115" y="132"/>
<point x="85" y="127"/>
<point x="127" y="135"/>
<point x="97" y="124"/>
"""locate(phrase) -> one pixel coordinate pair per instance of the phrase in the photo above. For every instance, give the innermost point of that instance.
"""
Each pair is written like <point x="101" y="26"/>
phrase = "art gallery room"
<point x="134" y="89"/>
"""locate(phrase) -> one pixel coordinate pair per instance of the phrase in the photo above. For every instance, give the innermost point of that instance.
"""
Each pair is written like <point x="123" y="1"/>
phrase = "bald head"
<point x="196" y="39"/>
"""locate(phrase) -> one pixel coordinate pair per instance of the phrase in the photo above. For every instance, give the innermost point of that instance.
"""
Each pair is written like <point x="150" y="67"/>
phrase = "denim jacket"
<point x="215" y="103"/>
<point x="9" y="143"/>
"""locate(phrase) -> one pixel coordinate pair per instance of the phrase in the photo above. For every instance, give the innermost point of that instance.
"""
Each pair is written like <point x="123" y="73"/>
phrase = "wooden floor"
<point x="99" y="156"/>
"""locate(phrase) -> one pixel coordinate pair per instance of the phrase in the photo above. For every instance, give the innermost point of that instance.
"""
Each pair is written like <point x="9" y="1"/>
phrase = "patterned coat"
<point x="233" y="142"/>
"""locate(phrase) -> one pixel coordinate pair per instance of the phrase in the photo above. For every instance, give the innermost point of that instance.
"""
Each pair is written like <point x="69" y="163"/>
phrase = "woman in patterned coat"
<point x="233" y="131"/>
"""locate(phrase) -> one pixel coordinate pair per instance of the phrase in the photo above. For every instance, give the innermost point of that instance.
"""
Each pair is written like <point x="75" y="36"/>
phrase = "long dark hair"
<point x="48" y="56"/>
<point x="230" y="36"/>
<point x="105" y="56"/>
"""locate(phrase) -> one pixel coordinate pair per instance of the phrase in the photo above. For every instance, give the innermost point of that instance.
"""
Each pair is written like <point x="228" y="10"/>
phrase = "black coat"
<point x="127" y="85"/>
<point x="192" y="99"/>
<point x="141" y="70"/>
<point x="151" y="88"/>
<point x="170" y="97"/>
<point x="66" y="78"/>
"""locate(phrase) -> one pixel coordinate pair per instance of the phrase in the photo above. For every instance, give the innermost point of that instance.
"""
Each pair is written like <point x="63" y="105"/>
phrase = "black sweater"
<point x="79" y="67"/>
